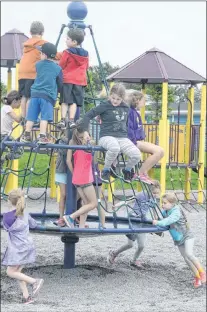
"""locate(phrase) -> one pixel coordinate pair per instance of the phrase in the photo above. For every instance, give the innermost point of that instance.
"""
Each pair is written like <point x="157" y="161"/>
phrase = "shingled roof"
<point x="12" y="47"/>
<point x="155" y="66"/>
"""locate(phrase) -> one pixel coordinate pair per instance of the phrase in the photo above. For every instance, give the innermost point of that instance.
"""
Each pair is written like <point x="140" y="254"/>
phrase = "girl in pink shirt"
<point x="80" y="165"/>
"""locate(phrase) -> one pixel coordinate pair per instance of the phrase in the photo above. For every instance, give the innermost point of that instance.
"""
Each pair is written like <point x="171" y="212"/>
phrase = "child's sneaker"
<point x="197" y="282"/>
<point x="28" y="300"/>
<point x="26" y="139"/>
<point x="105" y="175"/>
<point x="127" y="175"/>
<point x="111" y="257"/>
<point x="69" y="221"/>
<point x="72" y="124"/>
<point x="145" y="178"/>
<point x="60" y="222"/>
<point x="137" y="264"/>
<point x="203" y="277"/>
<point x="61" y="124"/>
<point x="37" y="286"/>
<point x="42" y="139"/>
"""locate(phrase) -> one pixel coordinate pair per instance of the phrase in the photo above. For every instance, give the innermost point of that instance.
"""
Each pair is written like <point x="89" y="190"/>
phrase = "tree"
<point x="181" y="93"/>
<point x="3" y="89"/>
<point x="155" y="96"/>
<point x="97" y="74"/>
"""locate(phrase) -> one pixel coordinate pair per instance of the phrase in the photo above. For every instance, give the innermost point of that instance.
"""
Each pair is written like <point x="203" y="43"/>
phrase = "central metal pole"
<point x="71" y="206"/>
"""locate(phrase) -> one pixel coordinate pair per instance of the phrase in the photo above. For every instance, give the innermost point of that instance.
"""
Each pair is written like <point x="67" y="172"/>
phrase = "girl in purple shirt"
<point x="20" y="250"/>
<point x="136" y="134"/>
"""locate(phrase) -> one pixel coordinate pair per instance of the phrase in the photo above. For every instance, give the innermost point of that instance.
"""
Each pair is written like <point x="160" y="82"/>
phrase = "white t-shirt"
<point x="6" y="120"/>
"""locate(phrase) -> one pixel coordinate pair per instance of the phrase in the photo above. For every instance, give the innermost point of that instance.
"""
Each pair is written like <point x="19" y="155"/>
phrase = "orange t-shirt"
<point x="30" y="57"/>
<point x="82" y="173"/>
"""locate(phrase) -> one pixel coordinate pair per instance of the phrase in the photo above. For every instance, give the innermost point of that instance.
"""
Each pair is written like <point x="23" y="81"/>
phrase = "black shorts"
<point x="25" y="87"/>
<point x="71" y="93"/>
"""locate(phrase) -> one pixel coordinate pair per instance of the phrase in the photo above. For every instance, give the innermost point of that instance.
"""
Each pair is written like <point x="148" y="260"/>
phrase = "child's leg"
<point x="64" y="110"/>
<point x="186" y="251"/>
<point x="13" y="272"/>
<point x="23" y="286"/>
<point x="156" y="152"/>
<point x="43" y="126"/>
<point x="62" y="199"/>
<point x="24" y="106"/>
<point x="32" y="115"/>
<point x="114" y="253"/>
<point x="141" y="239"/>
<point x="124" y="247"/>
<point x="111" y="144"/>
<point x="90" y="194"/>
<point x="72" y="111"/>
<point x="129" y="149"/>
<point x="83" y="217"/>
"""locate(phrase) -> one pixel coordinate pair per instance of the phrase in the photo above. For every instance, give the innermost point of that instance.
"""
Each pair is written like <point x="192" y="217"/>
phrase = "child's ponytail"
<point x="11" y="96"/>
<point x="16" y="197"/>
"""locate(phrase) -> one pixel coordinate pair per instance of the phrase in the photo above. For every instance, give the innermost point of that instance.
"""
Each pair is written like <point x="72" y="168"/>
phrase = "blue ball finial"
<point x="77" y="10"/>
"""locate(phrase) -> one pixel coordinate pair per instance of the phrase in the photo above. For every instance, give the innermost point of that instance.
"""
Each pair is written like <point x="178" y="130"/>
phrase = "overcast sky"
<point x="123" y="30"/>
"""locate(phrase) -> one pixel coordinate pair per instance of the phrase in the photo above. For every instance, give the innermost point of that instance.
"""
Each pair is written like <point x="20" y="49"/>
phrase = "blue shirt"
<point x="49" y="76"/>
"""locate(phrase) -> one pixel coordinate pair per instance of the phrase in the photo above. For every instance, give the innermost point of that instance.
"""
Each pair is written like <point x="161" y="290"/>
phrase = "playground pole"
<point x="111" y="189"/>
<point x="188" y="141"/>
<point x="163" y="135"/>
<point x="12" y="181"/>
<point x="202" y="139"/>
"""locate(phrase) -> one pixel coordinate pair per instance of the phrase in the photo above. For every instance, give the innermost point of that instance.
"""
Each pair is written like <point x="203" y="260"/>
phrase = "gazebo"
<point x="156" y="67"/>
<point x="11" y="51"/>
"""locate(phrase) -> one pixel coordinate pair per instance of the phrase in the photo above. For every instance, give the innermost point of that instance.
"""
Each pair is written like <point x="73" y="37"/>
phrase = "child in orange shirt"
<point x="27" y="70"/>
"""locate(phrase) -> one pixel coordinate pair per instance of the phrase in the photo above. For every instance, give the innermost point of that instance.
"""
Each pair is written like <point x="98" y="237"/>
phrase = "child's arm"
<point x="59" y="81"/>
<point x="131" y="130"/>
<point x="14" y="116"/>
<point x="174" y="217"/>
<point x="84" y="123"/>
<point x="32" y="222"/>
<point x="69" y="159"/>
<point x="64" y="60"/>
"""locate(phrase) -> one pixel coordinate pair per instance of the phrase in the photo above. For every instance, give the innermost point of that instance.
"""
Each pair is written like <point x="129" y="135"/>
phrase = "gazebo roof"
<point x="155" y="66"/>
<point x="12" y="47"/>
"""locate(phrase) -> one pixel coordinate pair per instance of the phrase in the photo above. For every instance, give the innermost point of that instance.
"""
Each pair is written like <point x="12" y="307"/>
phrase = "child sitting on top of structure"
<point x="74" y="63"/>
<point x="27" y="70"/>
<point x="43" y="93"/>
<point x="136" y="100"/>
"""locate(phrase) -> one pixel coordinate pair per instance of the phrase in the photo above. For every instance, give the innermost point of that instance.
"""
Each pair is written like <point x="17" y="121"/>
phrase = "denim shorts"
<point x="60" y="178"/>
<point x="83" y="185"/>
<point x="37" y="106"/>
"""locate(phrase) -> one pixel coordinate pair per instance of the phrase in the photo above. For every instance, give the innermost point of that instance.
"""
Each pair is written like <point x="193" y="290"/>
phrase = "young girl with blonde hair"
<point x="20" y="250"/>
<point x="182" y="236"/>
<point x="136" y="100"/>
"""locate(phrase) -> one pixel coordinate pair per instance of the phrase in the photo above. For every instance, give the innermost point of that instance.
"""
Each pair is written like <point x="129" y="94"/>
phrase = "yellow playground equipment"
<point x="184" y="145"/>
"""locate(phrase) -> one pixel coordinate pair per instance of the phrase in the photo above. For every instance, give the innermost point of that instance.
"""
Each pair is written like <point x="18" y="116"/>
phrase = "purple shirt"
<point x="9" y="218"/>
<point x="135" y="126"/>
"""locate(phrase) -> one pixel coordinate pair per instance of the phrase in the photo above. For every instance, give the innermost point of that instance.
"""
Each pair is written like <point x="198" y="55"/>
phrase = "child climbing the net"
<point x="113" y="132"/>
<point x="182" y="235"/>
<point x="8" y="117"/>
<point x="80" y="165"/>
<point x="140" y="210"/>
<point x="20" y="250"/>
<point x="136" y="134"/>
<point x="61" y="178"/>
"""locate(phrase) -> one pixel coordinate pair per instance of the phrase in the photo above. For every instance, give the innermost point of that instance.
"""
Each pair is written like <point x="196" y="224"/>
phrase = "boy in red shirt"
<point x="74" y="63"/>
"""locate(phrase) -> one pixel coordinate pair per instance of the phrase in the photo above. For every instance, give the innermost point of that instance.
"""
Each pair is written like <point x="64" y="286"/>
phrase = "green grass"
<point x="42" y="162"/>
